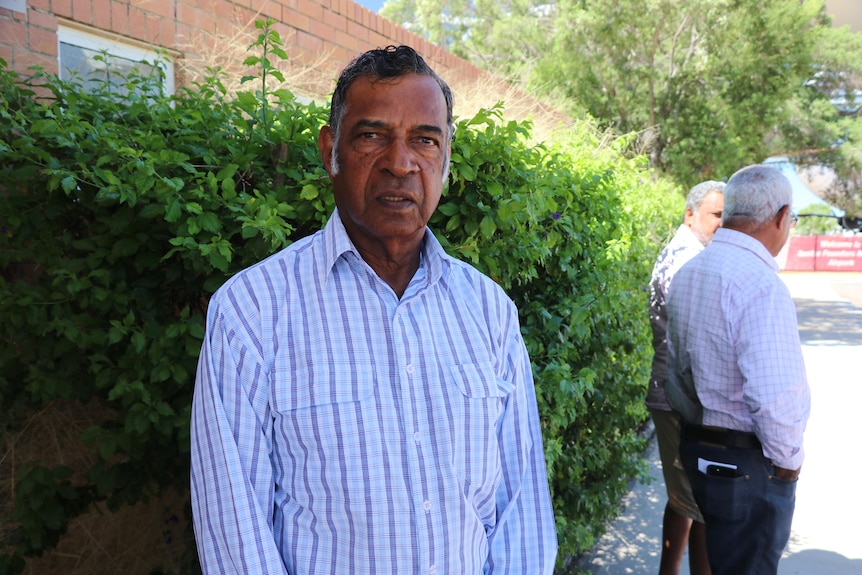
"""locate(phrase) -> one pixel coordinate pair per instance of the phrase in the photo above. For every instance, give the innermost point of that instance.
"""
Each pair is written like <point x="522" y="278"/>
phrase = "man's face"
<point x="707" y="219"/>
<point x="392" y="152"/>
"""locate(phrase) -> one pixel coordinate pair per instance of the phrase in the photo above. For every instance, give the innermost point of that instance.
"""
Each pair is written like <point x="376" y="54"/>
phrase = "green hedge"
<point x="121" y="213"/>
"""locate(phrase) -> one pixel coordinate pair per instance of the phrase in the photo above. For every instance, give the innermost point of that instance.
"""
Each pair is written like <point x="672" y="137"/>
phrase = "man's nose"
<point x="399" y="159"/>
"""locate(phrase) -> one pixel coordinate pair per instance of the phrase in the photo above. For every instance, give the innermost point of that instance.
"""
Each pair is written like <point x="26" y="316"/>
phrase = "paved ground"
<point x="826" y="538"/>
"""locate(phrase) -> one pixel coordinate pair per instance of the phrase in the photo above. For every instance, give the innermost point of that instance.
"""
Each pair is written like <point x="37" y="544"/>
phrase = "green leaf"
<point x="68" y="183"/>
<point x="309" y="192"/>
<point x="488" y="226"/>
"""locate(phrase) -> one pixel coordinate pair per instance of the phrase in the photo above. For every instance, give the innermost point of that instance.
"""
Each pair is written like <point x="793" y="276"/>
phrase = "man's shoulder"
<point x="308" y="247"/>
<point x="682" y="248"/>
<point x="464" y="271"/>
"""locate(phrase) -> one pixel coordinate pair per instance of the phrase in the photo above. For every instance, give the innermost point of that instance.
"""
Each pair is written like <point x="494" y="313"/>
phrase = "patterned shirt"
<point x="677" y="252"/>
<point x="338" y="429"/>
<point x="733" y="340"/>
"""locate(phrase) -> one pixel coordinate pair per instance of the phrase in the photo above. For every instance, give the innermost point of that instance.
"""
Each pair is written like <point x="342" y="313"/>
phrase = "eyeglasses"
<point x="793" y="217"/>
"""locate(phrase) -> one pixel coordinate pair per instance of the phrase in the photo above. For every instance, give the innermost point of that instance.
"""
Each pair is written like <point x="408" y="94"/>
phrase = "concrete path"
<point x="826" y="537"/>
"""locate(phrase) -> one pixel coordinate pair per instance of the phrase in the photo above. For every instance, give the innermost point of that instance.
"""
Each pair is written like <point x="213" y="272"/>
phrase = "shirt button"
<point x="410" y="368"/>
<point x="426" y="505"/>
<point x="432" y="570"/>
<point x="417" y="437"/>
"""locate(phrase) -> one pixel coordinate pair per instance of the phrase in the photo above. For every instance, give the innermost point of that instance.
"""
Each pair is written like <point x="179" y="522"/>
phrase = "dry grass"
<point x="313" y="78"/>
<point x="134" y="540"/>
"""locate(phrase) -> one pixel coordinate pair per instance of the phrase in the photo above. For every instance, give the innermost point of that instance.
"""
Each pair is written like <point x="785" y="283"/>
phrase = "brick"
<point x="102" y="14"/>
<point x="42" y="5"/>
<point x="14" y="34"/>
<point x="43" y="20"/>
<point x="163" y="8"/>
<point x="249" y="16"/>
<point x="43" y="41"/>
<point x="137" y="23"/>
<point x="337" y="21"/>
<point x="62" y="8"/>
<point x="48" y="63"/>
<point x="7" y="53"/>
<point x="205" y="21"/>
<point x="377" y="40"/>
<point x="320" y="30"/>
<point x="120" y="20"/>
<point x="185" y="13"/>
<point x="81" y="11"/>
<point x="308" y="42"/>
<point x="347" y="41"/>
<point x="152" y="29"/>
<point x="313" y="10"/>
<point x="268" y="10"/>
<point x="223" y="9"/>
<point x="225" y="27"/>
<point x="183" y="36"/>
<point x="295" y="19"/>
<point x="357" y="31"/>
<point x="167" y="33"/>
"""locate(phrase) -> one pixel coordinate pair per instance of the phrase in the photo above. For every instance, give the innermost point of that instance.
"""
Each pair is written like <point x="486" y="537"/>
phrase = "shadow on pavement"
<point x="828" y="322"/>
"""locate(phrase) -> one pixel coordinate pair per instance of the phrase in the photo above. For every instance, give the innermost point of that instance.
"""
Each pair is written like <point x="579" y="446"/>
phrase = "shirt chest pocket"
<point x="320" y="386"/>
<point x="478" y="381"/>
<point x="483" y="397"/>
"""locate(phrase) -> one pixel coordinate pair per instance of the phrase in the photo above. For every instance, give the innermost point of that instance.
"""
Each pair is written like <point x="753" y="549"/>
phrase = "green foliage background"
<point x="812" y="224"/>
<point x="122" y="213"/>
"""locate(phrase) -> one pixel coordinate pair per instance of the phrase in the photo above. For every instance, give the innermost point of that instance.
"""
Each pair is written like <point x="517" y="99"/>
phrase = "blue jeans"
<point x="747" y="511"/>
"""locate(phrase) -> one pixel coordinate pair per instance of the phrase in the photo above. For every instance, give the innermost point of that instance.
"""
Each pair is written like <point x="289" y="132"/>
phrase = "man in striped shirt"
<point x="737" y="377"/>
<point x="364" y="403"/>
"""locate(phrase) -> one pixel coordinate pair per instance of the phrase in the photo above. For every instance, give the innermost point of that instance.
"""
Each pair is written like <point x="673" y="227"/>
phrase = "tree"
<point x="816" y="220"/>
<point x="703" y="82"/>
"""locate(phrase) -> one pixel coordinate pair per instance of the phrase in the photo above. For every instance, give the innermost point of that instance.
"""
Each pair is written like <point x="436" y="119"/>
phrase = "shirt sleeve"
<point x="524" y="540"/>
<point x="773" y="370"/>
<point x="231" y="473"/>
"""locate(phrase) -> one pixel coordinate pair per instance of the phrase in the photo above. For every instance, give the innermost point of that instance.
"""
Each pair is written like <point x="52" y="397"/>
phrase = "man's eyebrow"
<point x="380" y="124"/>
<point x="374" y="124"/>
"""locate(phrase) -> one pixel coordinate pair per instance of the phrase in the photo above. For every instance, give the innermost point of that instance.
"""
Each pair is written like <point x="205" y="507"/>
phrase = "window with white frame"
<point x="95" y="60"/>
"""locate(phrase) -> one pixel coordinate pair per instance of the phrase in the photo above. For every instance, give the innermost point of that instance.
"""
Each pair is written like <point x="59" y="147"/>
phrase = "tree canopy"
<point x="707" y="85"/>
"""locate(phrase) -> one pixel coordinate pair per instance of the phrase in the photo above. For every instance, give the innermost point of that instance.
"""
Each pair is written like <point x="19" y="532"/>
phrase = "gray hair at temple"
<point x="383" y="63"/>
<point x="699" y="192"/>
<point x="755" y="194"/>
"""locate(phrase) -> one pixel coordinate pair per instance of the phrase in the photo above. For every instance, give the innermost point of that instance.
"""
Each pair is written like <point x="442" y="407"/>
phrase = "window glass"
<point x="16" y="5"/>
<point x="95" y="60"/>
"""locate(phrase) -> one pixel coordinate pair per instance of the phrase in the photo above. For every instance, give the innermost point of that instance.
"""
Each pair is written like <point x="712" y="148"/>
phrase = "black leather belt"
<point x="720" y="436"/>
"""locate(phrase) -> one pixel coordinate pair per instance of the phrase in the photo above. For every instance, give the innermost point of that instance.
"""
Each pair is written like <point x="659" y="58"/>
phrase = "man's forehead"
<point x="384" y="98"/>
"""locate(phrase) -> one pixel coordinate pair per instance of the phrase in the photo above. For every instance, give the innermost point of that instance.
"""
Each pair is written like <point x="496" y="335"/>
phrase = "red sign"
<point x="824" y="253"/>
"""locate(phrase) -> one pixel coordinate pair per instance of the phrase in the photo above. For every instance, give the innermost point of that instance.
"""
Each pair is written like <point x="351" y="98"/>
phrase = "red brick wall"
<point x="326" y="32"/>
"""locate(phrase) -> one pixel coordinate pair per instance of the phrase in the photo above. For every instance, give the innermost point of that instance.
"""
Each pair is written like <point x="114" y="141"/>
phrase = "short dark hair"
<point x="383" y="63"/>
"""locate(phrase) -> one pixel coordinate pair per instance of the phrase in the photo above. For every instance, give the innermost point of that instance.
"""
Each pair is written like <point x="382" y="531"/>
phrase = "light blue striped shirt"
<point x="338" y="429"/>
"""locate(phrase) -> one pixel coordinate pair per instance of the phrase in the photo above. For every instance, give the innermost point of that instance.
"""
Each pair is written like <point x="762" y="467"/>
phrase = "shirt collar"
<point x="336" y="243"/>
<point x="746" y="242"/>
<point x="687" y="238"/>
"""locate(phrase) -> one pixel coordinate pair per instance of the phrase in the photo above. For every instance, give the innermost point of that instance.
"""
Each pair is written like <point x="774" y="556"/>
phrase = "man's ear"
<point x="324" y="145"/>
<point x="688" y="217"/>
<point x="781" y="217"/>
